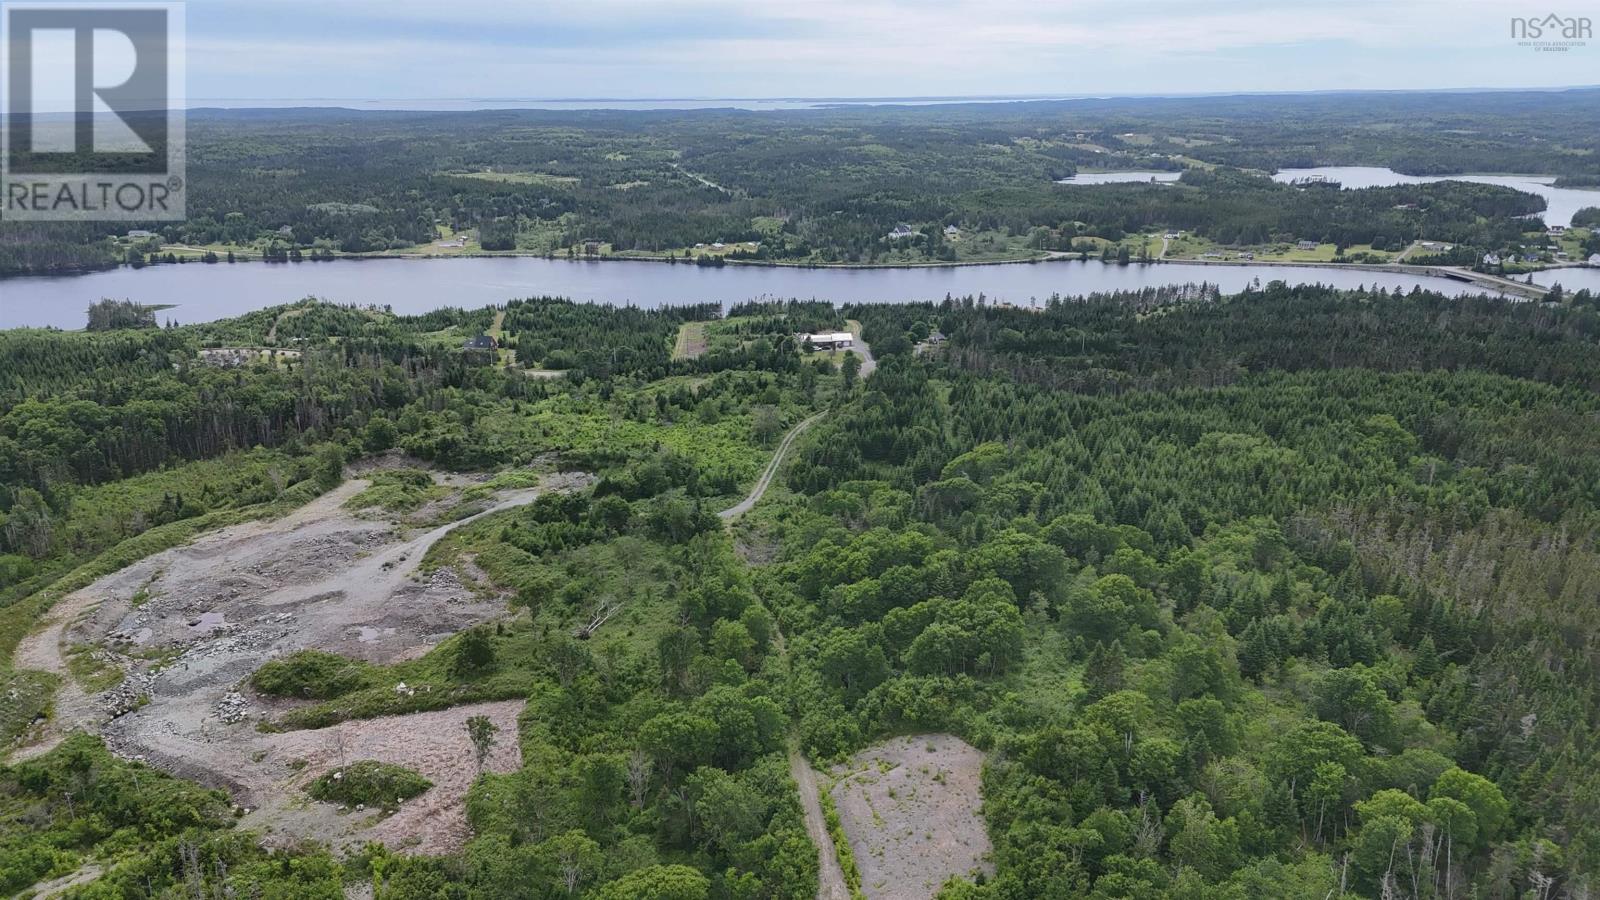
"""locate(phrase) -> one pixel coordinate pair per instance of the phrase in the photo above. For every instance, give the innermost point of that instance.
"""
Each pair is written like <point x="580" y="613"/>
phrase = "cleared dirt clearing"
<point x="432" y="743"/>
<point x="188" y="626"/>
<point x="912" y="812"/>
<point x="691" y="341"/>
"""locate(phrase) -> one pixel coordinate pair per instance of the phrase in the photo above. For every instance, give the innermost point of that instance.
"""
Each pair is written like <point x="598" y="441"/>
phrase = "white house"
<point x="1594" y="259"/>
<point x="1306" y="245"/>
<point x="139" y="234"/>
<point x="1557" y="229"/>
<point x="1491" y="259"/>
<point x="829" y="340"/>
<point x="901" y="231"/>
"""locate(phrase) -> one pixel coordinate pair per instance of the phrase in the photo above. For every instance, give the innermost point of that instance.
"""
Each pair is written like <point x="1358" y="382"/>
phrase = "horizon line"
<point x="1046" y="95"/>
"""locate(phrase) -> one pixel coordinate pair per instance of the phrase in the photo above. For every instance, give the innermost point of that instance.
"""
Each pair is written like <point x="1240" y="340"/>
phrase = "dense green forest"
<point x="1285" y="594"/>
<point x="828" y="185"/>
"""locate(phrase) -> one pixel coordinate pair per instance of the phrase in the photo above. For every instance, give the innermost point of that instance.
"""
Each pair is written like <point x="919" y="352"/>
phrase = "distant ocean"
<point x="466" y="104"/>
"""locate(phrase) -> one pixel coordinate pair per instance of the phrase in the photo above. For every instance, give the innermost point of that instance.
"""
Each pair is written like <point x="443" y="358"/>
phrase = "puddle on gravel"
<point x="208" y="622"/>
<point x="366" y="634"/>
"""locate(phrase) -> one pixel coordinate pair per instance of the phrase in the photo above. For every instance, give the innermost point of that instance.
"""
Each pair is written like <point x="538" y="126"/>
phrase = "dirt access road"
<point x="189" y="625"/>
<point x="765" y="481"/>
<point x="868" y="366"/>
<point x="830" y="875"/>
<point x="868" y="363"/>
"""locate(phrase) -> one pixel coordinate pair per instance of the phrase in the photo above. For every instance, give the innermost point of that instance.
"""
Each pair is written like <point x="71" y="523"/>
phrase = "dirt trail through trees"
<point x="830" y="876"/>
<point x="765" y="481"/>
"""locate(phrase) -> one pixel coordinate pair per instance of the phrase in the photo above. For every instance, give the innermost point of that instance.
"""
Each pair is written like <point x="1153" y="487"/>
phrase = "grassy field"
<point x="570" y="583"/>
<point x="1572" y="242"/>
<point x="1191" y="247"/>
<point x="517" y="177"/>
<point x="1323" y="252"/>
<point x="691" y="341"/>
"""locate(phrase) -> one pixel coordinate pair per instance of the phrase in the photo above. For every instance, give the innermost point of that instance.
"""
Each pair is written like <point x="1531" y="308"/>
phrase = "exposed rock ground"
<point x="189" y="626"/>
<point x="912" y="811"/>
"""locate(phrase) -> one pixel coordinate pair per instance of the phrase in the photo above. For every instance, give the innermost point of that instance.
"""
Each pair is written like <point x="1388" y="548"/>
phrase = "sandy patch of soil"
<point x="911" y="810"/>
<point x="189" y="625"/>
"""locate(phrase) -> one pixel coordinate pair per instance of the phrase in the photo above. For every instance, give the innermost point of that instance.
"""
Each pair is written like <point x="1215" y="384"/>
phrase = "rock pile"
<point x="129" y="695"/>
<point x="232" y="708"/>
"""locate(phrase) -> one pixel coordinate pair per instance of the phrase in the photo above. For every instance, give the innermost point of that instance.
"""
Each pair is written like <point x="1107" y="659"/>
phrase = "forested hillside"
<point x="1280" y="595"/>
<point x="829" y="184"/>
<point x="1289" y="594"/>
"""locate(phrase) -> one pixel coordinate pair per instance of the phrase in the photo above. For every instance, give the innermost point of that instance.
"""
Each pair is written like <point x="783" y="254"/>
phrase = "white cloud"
<point x="393" y="48"/>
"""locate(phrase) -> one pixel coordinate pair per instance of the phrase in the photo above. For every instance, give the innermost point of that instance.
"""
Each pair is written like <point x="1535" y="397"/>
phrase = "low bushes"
<point x="841" y="845"/>
<point x="312" y="674"/>
<point x="368" y="782"/>
<point x="397" y="490"/>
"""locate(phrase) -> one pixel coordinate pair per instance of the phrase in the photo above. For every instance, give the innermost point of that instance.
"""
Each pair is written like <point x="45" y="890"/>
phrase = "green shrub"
<point x="79" y="802"/>
<point x="384" y="700"/>
<point x="397" y="490"/>
<point x="312" y="674"/>
<point x="841" y="844"/>
<point x="368" y="782"/>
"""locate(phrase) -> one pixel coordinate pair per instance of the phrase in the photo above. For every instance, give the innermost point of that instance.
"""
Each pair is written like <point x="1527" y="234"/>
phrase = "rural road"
<point x="868" y="364"/>
<point x="762" y="483"/>
<point x="830" y="877"/>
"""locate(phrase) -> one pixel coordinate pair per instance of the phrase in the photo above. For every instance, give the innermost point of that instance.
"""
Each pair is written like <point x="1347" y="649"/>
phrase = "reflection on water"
<point x="1571" y="279"/>
<point x="199" y="292"/>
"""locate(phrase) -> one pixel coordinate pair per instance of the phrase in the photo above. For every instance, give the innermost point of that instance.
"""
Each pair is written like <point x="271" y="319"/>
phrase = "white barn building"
<point x="829" y="340"/>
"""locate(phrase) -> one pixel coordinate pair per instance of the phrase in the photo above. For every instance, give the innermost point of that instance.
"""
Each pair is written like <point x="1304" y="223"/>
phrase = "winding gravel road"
<point x="765" y="481"/>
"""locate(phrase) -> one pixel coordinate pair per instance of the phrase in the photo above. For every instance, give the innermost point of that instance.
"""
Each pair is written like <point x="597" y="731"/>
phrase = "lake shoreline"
<point x="1052" y="256"/>
<point x="415" y="285"/>
<point x="675" y="261"/>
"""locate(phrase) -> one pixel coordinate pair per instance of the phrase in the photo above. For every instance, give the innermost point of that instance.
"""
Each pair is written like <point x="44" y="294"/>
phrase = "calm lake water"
<point x="1571" y="279"/>
<point x="1561" y="203"/>
<point x="202" y="293"/>
<point x="1120" y="177"/>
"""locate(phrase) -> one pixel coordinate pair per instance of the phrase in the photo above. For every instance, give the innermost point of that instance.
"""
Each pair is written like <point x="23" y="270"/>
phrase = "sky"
<point x="408" y="49"/>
